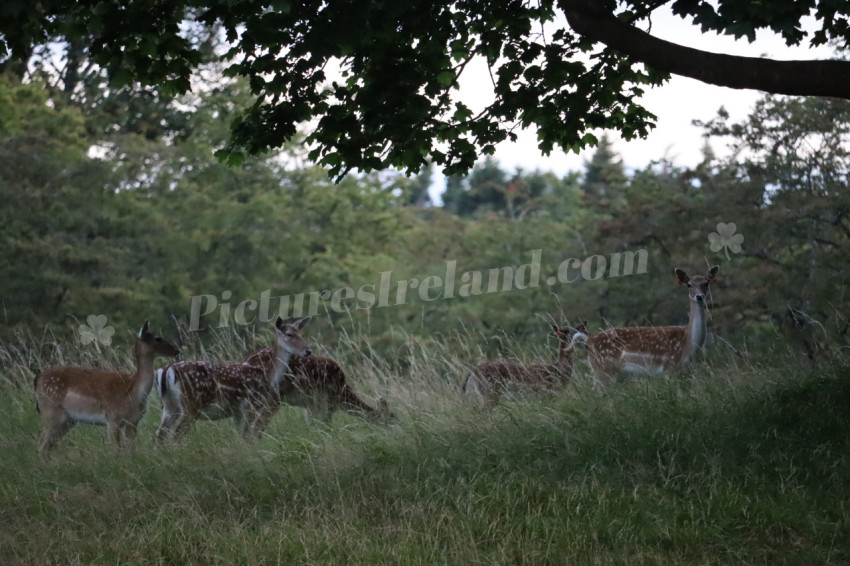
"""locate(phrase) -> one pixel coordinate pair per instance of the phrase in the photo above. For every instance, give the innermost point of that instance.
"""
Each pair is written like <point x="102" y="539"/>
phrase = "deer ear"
<point x="299" y="324"/>
<point x="682" y="276"/>
<point x="712" y="273"/>
<point x="145" y="328"/>
<point x="278" y="323"/>
<point x="555" y="328"/>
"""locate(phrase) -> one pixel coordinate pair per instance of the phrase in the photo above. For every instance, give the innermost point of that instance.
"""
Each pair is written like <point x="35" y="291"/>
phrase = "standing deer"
<point x="68" y="395"/>
<point x="652" y="349"/>
<point x="489" y="380"/>
<point x="194" y="389"/>
<point x="319" y="385"/>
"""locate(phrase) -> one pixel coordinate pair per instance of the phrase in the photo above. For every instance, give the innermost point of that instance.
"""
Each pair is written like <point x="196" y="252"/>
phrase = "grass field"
<point x="742" y="462"/>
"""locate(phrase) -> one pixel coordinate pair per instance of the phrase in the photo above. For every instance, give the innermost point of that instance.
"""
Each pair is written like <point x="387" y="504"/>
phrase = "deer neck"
<point x="280" y="365"/>
<point x="565" y="358"/>
<point x="143" y="381"/>
<point x="696" y="331"/>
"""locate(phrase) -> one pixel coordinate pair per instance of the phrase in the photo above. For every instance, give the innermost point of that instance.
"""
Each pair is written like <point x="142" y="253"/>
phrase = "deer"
<point x="652" y="349"/>
<point x="490" y="380"/>
<point x="198" y="389"/>
<point x="320" y="385"/>
<point x="66" y="396"/>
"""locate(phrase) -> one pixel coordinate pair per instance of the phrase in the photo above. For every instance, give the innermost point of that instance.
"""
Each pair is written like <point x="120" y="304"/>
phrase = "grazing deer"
<point x="652" y="349"/>
<point x="194" y="389"/>
<point x="68" y="395"/>
<point x="319" y="385"/>
<point x="489" y="380"/>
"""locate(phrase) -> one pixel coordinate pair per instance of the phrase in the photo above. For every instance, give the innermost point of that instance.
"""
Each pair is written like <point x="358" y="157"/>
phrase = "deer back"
<point x="82" y="390"/>
<point x="203" y="384"/>
<point x="305" y="374"/>
<point x="507" y="372"/>
<point x="657" y="345"/>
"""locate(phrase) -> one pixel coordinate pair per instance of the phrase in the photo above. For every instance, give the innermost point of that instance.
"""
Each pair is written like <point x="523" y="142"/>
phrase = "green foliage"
<point x="604" y="172"/>
<point x="377" y="78"/>
<point x="55" y="216"/>
<point x="154" y="221"/>
<point x="489" y="189"/>
<point x="744" y="19"/>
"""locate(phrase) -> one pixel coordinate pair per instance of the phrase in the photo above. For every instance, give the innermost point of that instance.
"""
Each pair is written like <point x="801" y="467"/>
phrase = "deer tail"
<point x="161" y="382"/>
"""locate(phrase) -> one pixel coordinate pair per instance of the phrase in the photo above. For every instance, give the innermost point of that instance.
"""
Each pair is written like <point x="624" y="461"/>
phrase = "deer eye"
<point x="158" y="339"/>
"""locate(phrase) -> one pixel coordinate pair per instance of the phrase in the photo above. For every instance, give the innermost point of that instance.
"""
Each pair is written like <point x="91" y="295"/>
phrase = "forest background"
<point x="113" y="204"/>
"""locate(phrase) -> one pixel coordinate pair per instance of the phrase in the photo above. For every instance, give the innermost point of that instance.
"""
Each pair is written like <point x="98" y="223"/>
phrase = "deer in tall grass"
<point x="490" y="380"/>
<point x="69" y="395"/>
<point x="652" y="349"/>
<point x="197" y="389"/>
<point x="320" y="386"/>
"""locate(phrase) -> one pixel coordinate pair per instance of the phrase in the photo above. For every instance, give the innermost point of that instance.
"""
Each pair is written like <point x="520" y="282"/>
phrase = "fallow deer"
<point x="319" y="385"/>
<point x="197" y="389"/>
<point x="68" y="395"/>
<point x="652" y="349"/>
<point x="490" y="380"/>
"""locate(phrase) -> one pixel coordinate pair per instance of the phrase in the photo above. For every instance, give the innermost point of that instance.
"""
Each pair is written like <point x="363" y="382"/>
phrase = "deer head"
<point x="697" y="285"/>
<point x="288" y="337"/>
<point x="568" y="335"/>
<point x="149" y="344"/>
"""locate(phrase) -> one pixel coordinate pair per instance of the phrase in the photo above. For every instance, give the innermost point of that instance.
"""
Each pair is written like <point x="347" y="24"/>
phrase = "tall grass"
<point x="731" y="461"/>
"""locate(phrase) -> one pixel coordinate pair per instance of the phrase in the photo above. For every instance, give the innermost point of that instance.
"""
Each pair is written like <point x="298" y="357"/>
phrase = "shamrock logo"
<point x="96" y="331"/>
<point x="726" y="239"/>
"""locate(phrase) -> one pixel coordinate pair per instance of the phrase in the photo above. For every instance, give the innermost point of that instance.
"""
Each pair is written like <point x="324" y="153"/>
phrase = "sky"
<point x="676" y="104"/>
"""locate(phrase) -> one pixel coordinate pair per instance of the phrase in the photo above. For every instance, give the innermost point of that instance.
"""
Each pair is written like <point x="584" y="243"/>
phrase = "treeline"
<point x="113" y="203"/>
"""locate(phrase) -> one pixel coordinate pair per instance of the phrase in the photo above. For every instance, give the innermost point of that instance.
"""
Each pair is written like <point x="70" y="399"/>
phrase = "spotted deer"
<point x="69" y="395"/>
<point x="490" y="380"/>
<point x="652" y="349"/>
<point x="320" y="386"/>
<point x="196" y="389"/>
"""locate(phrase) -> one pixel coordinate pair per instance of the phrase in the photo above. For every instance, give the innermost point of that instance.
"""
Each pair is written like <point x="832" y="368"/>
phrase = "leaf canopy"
<point x="376" y="81"/>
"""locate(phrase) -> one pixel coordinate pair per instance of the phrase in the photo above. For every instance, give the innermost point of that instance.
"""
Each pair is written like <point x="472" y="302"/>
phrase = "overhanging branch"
<point x="798" y="78"/>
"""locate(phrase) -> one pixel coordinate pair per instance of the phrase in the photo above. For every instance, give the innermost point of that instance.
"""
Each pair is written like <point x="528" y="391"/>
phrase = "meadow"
<point x="734" y="460"/>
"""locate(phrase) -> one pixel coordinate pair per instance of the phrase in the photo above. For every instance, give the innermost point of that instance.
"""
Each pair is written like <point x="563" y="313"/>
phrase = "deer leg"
<point x="263" y="411"/>
<point x="242" y="422"/>
<point x="183" y="426"/>
<point x="601" y="380"/>
<point x="261" y="421"/>
<point x="171" y="415"/>
<point x="475" y="384"/>
<point x="113" y="433"/>
<point x="251" y="417"/>
<point x="318" y="407"/>
<point x="130" y="432"/>
<point x="382" y="410"/>
<point x="53" y="431"/>
<point x="326" y="404"/>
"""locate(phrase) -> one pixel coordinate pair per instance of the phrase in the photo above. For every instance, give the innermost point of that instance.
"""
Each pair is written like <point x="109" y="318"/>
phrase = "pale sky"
<point x="676" y="104"/>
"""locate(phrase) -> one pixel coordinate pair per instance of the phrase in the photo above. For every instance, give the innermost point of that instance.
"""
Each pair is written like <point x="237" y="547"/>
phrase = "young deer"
<point x="490" y="380"/>
<point x="195" y="389"/>
<point x="68" y="395"/>
<point x="652" y="349"/>
<point x="319" y="385"/>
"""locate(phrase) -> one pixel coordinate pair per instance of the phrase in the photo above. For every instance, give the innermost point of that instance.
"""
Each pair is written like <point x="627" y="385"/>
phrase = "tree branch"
<point x="797" y="78"/>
